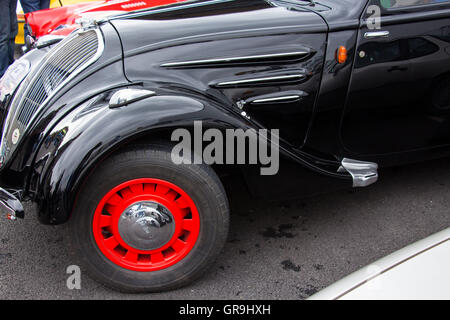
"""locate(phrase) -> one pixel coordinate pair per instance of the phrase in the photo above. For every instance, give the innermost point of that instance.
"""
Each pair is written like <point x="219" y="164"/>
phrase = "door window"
<point x="377" y="52"/>
<point x="387" y="4"/>
<point x="420" y="47"/>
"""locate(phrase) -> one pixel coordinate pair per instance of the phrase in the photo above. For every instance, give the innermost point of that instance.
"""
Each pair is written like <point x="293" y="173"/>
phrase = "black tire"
<point x="199" y="181"/>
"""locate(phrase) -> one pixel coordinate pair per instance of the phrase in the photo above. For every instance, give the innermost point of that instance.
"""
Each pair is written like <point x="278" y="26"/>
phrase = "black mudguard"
<point x="92" y="131"/>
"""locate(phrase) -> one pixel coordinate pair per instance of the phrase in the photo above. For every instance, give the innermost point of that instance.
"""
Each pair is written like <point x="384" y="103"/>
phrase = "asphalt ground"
<point x="275" y="250"/>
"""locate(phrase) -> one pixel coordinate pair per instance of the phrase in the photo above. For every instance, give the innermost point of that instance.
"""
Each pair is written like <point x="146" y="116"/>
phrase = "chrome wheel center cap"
<point x="146" y="225"/>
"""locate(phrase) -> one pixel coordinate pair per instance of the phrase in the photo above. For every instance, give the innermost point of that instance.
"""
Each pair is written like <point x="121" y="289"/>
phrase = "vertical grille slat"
<point x="63" y="62"/>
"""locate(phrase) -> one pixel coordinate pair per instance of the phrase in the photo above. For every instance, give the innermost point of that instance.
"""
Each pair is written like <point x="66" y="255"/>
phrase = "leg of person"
<point x="45" y="4"/>
<point x="29" y="6"/>
<point x="13" y="29"/>
<point x="4" y="35"/>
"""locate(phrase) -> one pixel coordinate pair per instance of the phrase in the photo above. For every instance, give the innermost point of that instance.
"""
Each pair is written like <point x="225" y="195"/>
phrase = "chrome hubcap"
<point x="146" y="225"/>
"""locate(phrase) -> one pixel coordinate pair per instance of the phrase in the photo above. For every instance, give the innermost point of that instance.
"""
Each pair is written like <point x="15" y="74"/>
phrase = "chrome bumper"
<point x="10" y="206"/>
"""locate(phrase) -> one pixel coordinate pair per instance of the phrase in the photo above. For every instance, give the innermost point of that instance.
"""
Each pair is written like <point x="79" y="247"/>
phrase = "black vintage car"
<point x="351" y="85"/>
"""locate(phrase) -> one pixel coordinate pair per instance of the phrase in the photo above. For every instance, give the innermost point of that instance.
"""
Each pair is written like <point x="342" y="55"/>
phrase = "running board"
<point x="363" y="173"/>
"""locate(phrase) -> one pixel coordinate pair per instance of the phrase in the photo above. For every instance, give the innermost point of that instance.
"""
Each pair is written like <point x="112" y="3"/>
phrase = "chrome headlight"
<point x="13" y="77"/>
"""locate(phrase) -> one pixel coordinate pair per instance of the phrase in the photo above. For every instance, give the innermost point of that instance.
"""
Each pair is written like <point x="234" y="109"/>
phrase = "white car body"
<point x="420" y="271"/>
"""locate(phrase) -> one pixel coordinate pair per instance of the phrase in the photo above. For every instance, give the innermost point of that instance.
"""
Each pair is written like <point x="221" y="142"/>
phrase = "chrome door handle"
<point x="376" y="34"/>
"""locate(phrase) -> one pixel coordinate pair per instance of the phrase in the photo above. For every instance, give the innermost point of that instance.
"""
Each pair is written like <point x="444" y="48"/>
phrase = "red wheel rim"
<point x="112" y="207"/>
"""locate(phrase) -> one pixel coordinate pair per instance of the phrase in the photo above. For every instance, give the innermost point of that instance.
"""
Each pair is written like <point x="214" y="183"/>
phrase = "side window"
<point x="388" y="4"/>
<point x="380" y="8"/>
<point x="419" y="47"/>
<point x="381" y="53"/>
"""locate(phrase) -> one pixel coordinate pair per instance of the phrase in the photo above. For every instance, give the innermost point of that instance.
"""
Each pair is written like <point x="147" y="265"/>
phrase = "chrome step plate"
<point x="363" y="173"/>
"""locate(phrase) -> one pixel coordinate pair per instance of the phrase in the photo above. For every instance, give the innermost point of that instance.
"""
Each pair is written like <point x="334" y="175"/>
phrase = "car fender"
<point x="93" y="130"/>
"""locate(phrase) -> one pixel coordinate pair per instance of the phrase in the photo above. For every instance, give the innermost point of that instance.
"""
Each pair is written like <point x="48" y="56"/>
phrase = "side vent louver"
<point x="265" y="80"/>
<point x="251" y="59"/>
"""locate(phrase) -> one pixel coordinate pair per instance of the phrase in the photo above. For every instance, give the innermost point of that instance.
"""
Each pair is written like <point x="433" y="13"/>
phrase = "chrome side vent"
<point x="263" y="80"/>
<point x="60" y="65"/>
<point x="253" y="59"/>
<point x="277" y="97"/>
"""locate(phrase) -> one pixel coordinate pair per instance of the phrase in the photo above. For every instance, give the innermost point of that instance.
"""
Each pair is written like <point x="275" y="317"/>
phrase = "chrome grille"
<point x="62" y="63"/>
<point x="55" y="71"/>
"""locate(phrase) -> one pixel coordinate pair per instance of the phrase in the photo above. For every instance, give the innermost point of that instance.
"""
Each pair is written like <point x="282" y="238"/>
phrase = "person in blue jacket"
<point x="8" y="31"/>
<point x="31" y="6"/>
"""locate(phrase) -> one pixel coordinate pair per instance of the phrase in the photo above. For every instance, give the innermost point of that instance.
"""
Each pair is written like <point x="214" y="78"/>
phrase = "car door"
<point x="398" y="97"/>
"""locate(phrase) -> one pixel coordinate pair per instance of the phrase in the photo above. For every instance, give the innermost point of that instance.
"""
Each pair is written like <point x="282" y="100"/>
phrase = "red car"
<point x="62" y="21"/>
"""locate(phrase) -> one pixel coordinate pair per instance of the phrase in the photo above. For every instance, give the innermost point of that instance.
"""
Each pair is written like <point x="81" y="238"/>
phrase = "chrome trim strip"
<point x="234" y="59"/>
<point x="261" y="80"/>
<point x="275" y="99"/>
<point x="363" y="173"/>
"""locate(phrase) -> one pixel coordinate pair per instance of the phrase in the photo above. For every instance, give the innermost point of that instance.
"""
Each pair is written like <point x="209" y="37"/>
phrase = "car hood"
<point x="44" y="22"/>
<point x="194" y="21"/>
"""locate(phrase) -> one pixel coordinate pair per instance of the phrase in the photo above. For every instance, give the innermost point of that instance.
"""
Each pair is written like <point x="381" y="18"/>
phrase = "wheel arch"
<point x="75" y="146"/>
